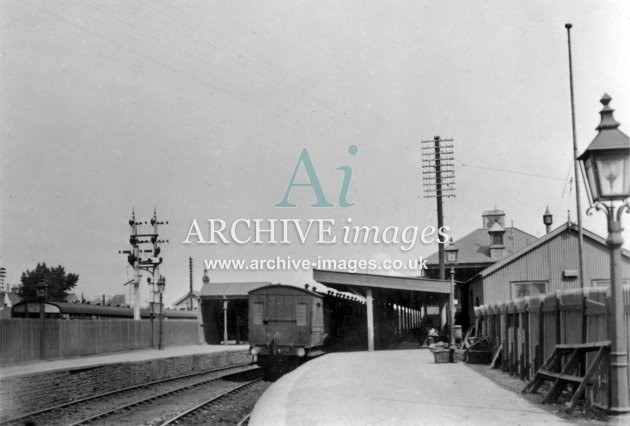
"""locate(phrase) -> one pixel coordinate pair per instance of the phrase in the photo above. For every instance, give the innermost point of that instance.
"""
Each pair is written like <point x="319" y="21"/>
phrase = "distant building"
<point x="8" y="299"/>
<point x="183" y="303"/>
<point x="231" y="297"/>
<point x="478" y="250"/>
<point x="72" y="298"/>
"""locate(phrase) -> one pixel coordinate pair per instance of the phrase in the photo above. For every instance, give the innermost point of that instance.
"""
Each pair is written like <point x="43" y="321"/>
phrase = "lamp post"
<point x="451" y="259"/>
<point x="152" y="310"/>
<point x="607" y="165"/>
<point x="42" y="293"/>
<point x="225" y="318"/>
<point x="160" y="285"/>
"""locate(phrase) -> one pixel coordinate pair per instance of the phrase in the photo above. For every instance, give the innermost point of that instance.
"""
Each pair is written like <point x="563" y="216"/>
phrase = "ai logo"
<point x="305" y="161"/>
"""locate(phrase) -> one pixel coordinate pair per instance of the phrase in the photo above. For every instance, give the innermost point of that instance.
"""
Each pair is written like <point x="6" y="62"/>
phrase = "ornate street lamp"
<point x="42" y="290"/>
<point x="607" y="165"/>
<point x="160" y="286"/>
<point x="451" y="259"/>
<point x="42" y="294"/>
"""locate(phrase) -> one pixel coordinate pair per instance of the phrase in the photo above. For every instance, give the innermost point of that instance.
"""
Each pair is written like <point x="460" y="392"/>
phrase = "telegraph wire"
<point x="508" y="171"/>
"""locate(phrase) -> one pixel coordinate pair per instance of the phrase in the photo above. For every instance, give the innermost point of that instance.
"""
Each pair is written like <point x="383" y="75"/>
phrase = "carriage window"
<point x="300" y="314"/>
<point x="258" y="312"/>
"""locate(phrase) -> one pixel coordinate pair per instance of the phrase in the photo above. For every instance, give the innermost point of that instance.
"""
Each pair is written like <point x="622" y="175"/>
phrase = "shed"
<point x="226" y="300"/>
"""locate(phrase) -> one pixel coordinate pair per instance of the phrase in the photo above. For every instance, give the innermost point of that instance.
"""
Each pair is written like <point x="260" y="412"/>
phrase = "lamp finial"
<point x="607" y="119"/>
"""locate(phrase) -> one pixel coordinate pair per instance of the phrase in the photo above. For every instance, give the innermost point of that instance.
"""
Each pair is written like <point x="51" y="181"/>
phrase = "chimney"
<point x="497" y="247"/>
<point x="491" y="217"/>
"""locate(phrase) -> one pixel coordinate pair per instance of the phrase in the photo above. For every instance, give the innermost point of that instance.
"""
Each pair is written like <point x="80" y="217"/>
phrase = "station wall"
<point x="29" y="392"/>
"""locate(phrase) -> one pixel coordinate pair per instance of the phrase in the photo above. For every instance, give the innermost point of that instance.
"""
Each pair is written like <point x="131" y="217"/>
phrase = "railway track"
<point x="102" y="408"/>
<point x="199" y="413"/>
<point x="154" y="408"/>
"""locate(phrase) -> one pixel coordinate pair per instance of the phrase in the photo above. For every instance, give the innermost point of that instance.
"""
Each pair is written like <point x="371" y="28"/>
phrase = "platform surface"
<point x="398" y="387"/>
<point x="113" y="358"/>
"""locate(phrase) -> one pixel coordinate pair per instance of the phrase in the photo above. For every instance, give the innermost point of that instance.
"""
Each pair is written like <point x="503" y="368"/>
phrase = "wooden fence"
<point x="529" y="328"/>
<point x="20" y="338"/>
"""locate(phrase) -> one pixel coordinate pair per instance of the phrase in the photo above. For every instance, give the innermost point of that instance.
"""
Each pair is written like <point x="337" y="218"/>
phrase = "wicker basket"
<point x="441" y="355"/>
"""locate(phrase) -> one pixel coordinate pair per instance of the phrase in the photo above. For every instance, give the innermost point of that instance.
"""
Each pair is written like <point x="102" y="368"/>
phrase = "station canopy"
<point x="403" y="291"/>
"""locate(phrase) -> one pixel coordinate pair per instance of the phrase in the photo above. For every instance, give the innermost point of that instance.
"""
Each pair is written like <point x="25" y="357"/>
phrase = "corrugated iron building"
<point x="547" y="265"/>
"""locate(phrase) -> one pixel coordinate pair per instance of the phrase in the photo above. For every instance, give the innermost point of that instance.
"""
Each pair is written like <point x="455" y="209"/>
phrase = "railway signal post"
<point x="144" y="234"/>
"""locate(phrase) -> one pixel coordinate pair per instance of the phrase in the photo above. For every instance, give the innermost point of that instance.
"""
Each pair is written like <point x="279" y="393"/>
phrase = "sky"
<point x="201" y="110"/>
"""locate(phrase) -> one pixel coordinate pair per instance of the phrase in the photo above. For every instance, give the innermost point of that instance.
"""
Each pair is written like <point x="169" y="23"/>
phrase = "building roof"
<point x="230" y="290"/>
<point x="9" y="298"/>
<point x="568" y="226"/>
<point x="71" y="297"/>
<point x="348" y="281"/>
<point x="474" y="248"/>
<point x="496" y="227"/>
<point x="186" y="296"/>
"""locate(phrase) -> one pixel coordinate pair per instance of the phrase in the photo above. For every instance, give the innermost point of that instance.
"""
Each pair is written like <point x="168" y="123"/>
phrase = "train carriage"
<point x="63" y="310"/>
<point x="286" y="325"/>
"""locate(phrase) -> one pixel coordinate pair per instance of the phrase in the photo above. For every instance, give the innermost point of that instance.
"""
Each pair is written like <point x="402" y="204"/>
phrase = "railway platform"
<point x="66" y="364"/>
<point x="397" y="387"/>
<point x="32" y="386"/>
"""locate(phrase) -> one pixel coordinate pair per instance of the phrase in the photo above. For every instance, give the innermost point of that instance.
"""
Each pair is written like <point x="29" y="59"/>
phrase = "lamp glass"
<point x="613" y="173"/>
<point x="41" y="289"/>
<point x="589" y="168"/>
<point x="161" y="284"/>
<point x="451" y="255"/>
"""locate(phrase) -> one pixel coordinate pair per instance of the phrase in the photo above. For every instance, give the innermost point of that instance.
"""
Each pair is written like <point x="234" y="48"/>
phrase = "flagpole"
<point x="575" y="165"/>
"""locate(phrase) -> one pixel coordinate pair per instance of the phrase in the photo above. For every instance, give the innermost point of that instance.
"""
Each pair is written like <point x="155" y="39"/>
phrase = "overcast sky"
<point x="201" y="109"/>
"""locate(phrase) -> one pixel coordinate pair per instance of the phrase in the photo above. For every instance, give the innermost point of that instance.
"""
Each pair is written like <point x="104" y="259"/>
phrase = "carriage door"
<point x="317" y="330"/>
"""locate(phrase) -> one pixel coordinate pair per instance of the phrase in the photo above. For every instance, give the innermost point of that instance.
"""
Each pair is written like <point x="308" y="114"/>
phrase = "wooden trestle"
<point x="563" y="368"/>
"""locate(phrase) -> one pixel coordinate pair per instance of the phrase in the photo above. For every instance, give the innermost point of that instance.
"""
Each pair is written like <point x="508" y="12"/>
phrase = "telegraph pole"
<point x="438" y="178"/>
<point x="190" y="295"/>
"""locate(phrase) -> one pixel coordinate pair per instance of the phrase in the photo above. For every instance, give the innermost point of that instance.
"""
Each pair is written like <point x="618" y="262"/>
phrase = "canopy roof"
<point x="403" y="291"/>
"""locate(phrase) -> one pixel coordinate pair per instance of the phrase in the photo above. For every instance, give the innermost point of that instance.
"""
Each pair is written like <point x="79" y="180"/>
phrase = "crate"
<point x="459" y="355"/>
<point x="441" y="355"/>
<point x="479" y="356"/>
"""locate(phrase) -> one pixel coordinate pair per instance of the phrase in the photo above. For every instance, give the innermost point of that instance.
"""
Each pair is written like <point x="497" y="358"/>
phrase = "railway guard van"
<point x="286" y="326"/>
